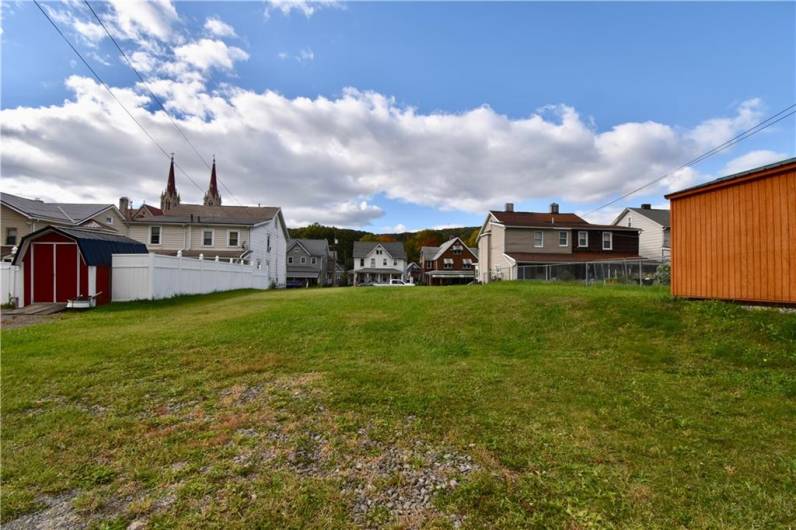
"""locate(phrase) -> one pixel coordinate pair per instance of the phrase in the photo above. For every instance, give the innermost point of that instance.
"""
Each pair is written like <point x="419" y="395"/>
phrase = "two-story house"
<point x="509" y="240"/>
<point x="311" y="262"/>
<point x="20" y="216"/>
<point x="376" y="262"/>
<point x="250" y="234"/>
<point x="654" y="240"/>
<point x="451" y="263"/>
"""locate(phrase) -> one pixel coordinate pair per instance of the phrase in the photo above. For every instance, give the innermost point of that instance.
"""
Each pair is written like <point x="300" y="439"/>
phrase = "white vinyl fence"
<point x="10" y="283"/>
<point x="154" y="276"/>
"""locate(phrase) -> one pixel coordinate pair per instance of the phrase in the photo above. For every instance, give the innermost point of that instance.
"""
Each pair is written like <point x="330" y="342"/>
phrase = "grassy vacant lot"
<point x="501" y="406"/>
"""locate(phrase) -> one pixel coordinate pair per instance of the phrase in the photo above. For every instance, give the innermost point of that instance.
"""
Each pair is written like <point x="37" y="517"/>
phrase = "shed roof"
<point x="97" y="247"/>
<point x="751" y="173"/>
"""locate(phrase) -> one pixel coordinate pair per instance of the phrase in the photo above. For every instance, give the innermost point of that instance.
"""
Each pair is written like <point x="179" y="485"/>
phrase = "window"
<point x="268" y="243"/>
<point x="429" y="264"/>
<point x="232" y="238"/>
<point x="448" y="263"/>
<point x="11" y="236"/>
<point x="583" y="239"/>
<point x="154" y="235"/>
<point x="361" y="262"/>
<point x="384" y="262"/>
<point x="608" y="241"/>
<point x="538" y="239"/>
<point x="109" y="220"/>
<point x="629" y="221"/>
<point x="314" y="260"/>
<point x="207" y="237"/>
<point x="457" y="250"/>
<point x="373" y="262"/>
<point x="563" y="239"/>
<point x="290" y="259"/>
<point x="395" y="262"/>
<point x="467" y="264"/>
<point x="303" y="259"/>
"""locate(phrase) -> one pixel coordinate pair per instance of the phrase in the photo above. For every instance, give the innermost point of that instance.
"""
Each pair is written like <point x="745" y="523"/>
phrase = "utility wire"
<point x="768" y="122"/>
<point x="155" y="97"/>
<point x="108" y="88"/>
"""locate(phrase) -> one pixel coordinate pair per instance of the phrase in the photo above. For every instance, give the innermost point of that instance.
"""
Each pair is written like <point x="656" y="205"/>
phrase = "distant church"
<point x="170" y="199"/>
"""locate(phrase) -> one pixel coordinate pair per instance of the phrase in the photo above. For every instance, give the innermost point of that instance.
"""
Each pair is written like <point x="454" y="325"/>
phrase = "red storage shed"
<point x="59" y="264"/>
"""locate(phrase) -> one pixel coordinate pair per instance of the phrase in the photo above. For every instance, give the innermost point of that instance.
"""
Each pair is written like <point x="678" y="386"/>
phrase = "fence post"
<point x="639" y="273"/>
<point x="151" y="267"/>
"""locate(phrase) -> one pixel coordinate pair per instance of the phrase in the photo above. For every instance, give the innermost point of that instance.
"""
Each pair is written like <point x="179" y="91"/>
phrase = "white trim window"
<point x="384" y="262"/>
<point x="109" y="220"/>
<point x="467" y="264"/>
<point x="608" y="240"/>
<point x="583" y="239"/>
<point x="538" y="239"/>
<point x="11" y="235"/>
<point x="563" y="238"/>
<point x="303" y="260"/>
<point x="208" y="242"/>
<point x="447" y="264"/>
<point x="154" y="235"/>
<point x="290" y="260"/>
<point x="314" y="260"/>
<point x="233" y="240"/>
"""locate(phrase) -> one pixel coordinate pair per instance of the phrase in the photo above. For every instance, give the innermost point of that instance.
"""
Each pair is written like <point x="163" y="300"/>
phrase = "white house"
<point x="654" y="239"/>
<point x="251" y="234"/>
<point x="378" y="262"/>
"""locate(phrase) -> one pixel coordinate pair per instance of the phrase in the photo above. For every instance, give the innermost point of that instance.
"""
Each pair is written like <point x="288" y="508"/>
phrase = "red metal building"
<point x="59" y="264"/>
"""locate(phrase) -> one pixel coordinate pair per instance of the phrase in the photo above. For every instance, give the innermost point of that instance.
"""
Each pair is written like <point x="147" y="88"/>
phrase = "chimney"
<point x="646" y="206"/>
<point x="509" y="206"/>
<point x="554" y="208"/>
<point x="124" y="205"/>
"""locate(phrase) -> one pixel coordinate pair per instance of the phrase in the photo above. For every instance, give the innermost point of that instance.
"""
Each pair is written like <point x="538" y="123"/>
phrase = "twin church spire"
<point x="170" y="198"/>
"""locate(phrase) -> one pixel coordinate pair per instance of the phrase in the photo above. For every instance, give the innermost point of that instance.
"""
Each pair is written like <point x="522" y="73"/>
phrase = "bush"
<point x="663" y="274"/>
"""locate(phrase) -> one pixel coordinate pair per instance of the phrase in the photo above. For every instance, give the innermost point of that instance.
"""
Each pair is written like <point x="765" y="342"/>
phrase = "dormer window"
<point x="457" y="249"/>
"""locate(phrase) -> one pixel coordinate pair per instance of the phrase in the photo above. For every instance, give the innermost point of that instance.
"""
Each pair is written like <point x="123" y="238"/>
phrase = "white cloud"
<point x="305" y="55"/>
<point x="139" y="19"/>
<point x="282" y="55"/>
<point x="207" y="53"/>
<point x="751" y="160"/>
<point x="305" y="7"/>
<point x="219" y="28"/>
<point x="323" y="159"/>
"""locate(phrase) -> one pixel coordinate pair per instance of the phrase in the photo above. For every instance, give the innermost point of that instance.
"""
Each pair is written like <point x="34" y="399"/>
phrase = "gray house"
<point x="310" y="262"/>
<point x="654" y="238"/>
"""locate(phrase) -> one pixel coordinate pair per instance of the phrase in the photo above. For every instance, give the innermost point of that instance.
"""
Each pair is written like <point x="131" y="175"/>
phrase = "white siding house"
<point x="378" y="262"/>
<point x="654" y="241"/>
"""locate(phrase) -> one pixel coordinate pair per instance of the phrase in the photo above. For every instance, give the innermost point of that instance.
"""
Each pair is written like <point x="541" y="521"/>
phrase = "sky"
<point x="392" y="116"/>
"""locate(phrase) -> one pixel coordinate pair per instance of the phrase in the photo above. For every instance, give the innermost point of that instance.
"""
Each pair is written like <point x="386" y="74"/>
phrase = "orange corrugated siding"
<point x="737" y="241"/>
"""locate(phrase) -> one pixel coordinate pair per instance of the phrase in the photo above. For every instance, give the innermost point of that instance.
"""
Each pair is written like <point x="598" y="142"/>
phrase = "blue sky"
<point x="416" y="114"/>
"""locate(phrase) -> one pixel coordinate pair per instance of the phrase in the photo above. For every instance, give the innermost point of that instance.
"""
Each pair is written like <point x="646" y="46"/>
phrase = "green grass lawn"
<point x="501" y="406"/>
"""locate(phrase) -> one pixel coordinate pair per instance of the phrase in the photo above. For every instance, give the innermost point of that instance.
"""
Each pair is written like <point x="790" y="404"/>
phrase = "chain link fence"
<point x="638" y="272"/>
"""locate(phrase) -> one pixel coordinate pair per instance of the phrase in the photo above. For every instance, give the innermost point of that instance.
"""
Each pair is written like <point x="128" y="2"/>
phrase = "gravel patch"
<point x="59" y="514"/>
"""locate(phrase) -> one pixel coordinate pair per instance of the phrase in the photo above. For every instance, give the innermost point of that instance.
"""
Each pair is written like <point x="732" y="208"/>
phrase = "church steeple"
<point x="170" y="198"/>
<point x="212" y="197"/>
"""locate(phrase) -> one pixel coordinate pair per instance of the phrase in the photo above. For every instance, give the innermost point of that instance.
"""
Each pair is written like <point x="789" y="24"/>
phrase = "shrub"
<point x="663" y="274"/>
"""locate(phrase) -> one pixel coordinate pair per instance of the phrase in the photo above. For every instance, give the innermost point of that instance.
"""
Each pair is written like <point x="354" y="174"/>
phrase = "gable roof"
<point x="61" y="212"/>
<point x="656" y="215"/>
<point x="433" y="253"/>
<point x="96" y="246"/>
<point x="538" y="219"/>
<point x="393" y="248"/>
<point x="314" y="247"/>
<point x="238" y="215"/>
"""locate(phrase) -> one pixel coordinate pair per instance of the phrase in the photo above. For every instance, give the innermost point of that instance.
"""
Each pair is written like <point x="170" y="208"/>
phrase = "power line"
<point x="155" y="97"/>
<point x="779" y="116"/>
<point x="108" y="88"/>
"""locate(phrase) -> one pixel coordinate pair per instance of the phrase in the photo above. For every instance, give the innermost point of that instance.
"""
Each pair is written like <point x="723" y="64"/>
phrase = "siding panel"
<point x="737" y="241"/>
